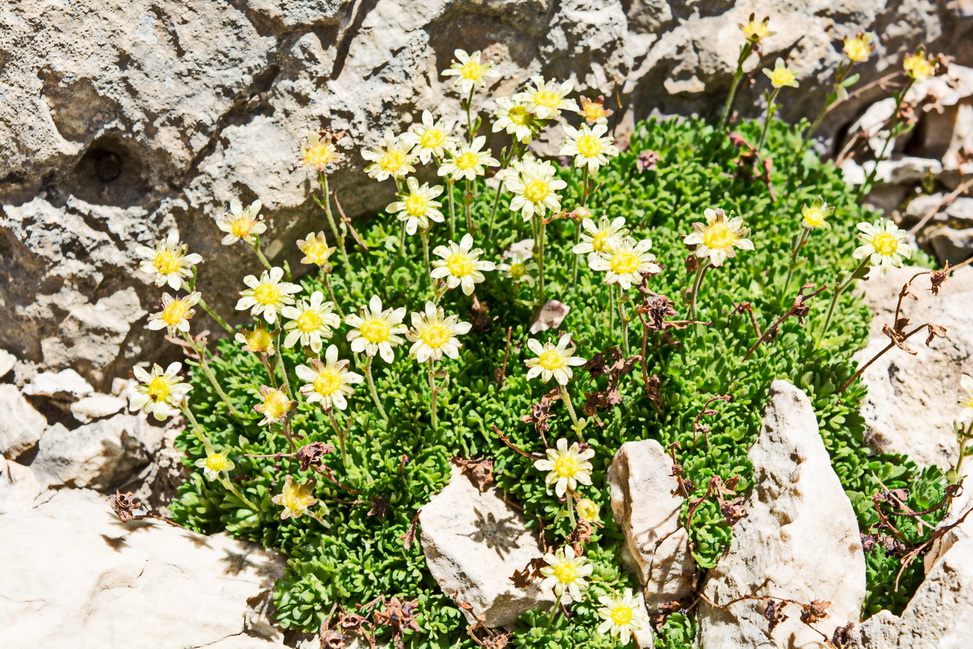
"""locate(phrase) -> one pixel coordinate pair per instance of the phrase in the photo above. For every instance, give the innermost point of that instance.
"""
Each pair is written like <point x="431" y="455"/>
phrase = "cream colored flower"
<point x="519" y="265"/>
<point x="718" y="238"/>
<point x="159" y="393"/>
<point x="626" y="262"/>
<point x="468" y="161"/>
<point x="328" y="383"/>
<point x="552" y="360"/>
<point x="859" y="47"/>
<point x="175" y="313"/>
<point x="920" y="67"/>
<point x="587" y="510"/>
<point x="816" y="214"/>
<point x="274" y="405"/>
<point x="534" y="187"/>
<point x="267" y="295"/>
<point x="546" y="99"/>
<point x="376" y="331"/>
<point x="417" y="206"/>
<point x="756" y="30"/>
<point x="391" y="160"/>
<point x="564" y="575"/>
<point x="589" y="146"/>
<point x="316" y="249"/>
<point x="241" y="223"/>
<point x="319" y="151"/>
<point x="168" y="262"/>
<point x="594" y="111"/>
<point x="883" y="243"/>
<point x="430" y="139"/>
<point x="256" y="341"/>
<point x="781" y="75"/>
<point x="622" y="614"/>
<point x="514" y="118"/>
<point x="601" y="237"/>
<point x="296" y="499"/>
<point x="469" y="69"/>
<point x="310" y="322"/>
<point x="460" y="264"/>
<point x="434" y="336"/>
<point x="966" y="383"/>
<point x="215" y="464"/>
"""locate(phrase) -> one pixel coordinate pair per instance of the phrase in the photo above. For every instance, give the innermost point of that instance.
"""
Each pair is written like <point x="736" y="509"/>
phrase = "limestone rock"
<point x="952" y="246"/>
<point x="959" y="511"/>
<point x="551" y="315"/>
<point x="474" y="542"/>
<point x="646" y="506"/>
<point x="75" y="576"/>
<point x="66" y="385"/>
<point x="940" y="614"/>
<point x="7" y="362"/>
<point x="96" y="406"/>
<point x="799" y="540"/>
<point x="911" y="401"/>
<point x="18" y="487"/>
<point x="99" y="455"/>
<point x="20" y="425"/>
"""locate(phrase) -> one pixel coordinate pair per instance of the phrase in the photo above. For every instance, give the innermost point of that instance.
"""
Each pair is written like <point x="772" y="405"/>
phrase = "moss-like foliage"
<point x="361" y="556"/>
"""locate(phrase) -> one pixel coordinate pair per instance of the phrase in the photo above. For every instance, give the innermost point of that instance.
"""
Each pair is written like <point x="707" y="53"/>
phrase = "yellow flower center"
<point x="919" y="67"/>
<point x="327" y="382"/>
<point x="537" y="190"/>
<point x="621" y="614"/>
<point x="471" y="70"/>
<point x="624" y="262"/>
<point x="435" y="335"/>
<point x="375" y="330"/>
<point x="392" y="160"/>
<point x="166" y="262"/>
<point x="296" y="499"/>
<point x="551" y="360"/>
<point x="967" y="403"/>
<point x="719" y="236"/>
<point x="567" y="466"/>
<point x="565" y="573"/>
<point x="587" y="510"/>
<point x="267" y="293"/>
<point x="517" y="271"/>
<point x="594" y="111"/>
<point x="217" y="462"/>
<point x="159" y="389"/>
<point x="321" y="154"/>
<point x="309" y="321"/>
<point x="857" y="49"/>
<point x="467" y="160"/>
<point x="599" y="242"/>
<point x="242" y="226"/>
<point x="519" y="115"/>
<point x="416" y="205"/>
<point x="755" y="31"/>
<point x="459" y="265"/>
<point x="781" y="77"/>
<point x="547" y="99"/>
<point x="276" y="404"/>
<point x="259" y="340"/>
<point x="885" y="244"/>
<point x="814" y="217"/>
<point x="433" y="138"/>
<point x="318" y="252"/>
<point x="589" y="146"/>
<point x="175" y="312"/>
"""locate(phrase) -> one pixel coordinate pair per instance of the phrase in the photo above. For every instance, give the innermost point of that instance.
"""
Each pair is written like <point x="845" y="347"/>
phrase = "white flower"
<point x="310" y="322"/>
<point x="429" y="139"/>
<point x="884" y="243"/>
<point x="215" y="463"/>
<point x="468" y="161"/>
<point x="316" y="249"/>
<point x="274" y="405"/>
<point x="376" y="331"/>
<point x="520" y="265"/>
<point x="241" y="223"/>
<point x="328" y="383"/>
<point x="966" y="383"/>
<point x="417" y="207"/>
<point x="514" y="118"/>
<point x="168" y="262"/>
<point x="622" y="614"/>
<point x="267" y="295"/>
<point x="175" y="313"/>
<point x="159" y="393"/>
<point x="565" y="574"/>
<point x="552" y="360"/>
<point x="534" y="188"/>
<point x="547" y="99"/>
<point x="719" y="237"/>
<point x="469" y="69"/>
<point x="567" y="467"/>
<point x="589" y="146"/>
<point x="434" y="336"/>
<point x="626" y="262"/>
<point x="391" y="160"/>
<point x="601" y="237"/>
<point x="460" y="264"/>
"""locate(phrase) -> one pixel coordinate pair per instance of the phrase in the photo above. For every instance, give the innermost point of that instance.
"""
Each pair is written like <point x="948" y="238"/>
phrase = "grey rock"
<point x="952" y="246"/>
<point x="18" y="487"/>
<point x="66" y="385"/>
<point x="21" y="426"/>
<point x="551" y="315"/>
<point x="96" y="406"/>
<point x="473" y="543"/>
<point x="799" y="540"/>
<point x="7" y="362"/>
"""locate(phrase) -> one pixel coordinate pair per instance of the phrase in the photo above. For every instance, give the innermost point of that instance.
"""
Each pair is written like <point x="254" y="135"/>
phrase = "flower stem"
<point x="798" y="244"/>
<point x="424" y="235"/>
<point x="339" y="235"/>
<point x="623" y="318"/>
<point x="283" y="368"/>
<point x="452" y="208"/>
<point x="771" y="108"/>
<point x="236" y="492"/>
<point x="468" y="203"/>
<point x="367" y="367"/>
<point x="435" y="395"/>
<point x="196" y="429"/>
<point x="893" y="124"/>
<point x="539" y="253"/>
<point x="694" y="292"/>
<point x="260" y="255"/>
<point x="204" y="365"/>
<point x="566" y="397"/>
<point x="737" y="75"/>
<point x="326" y="280"/>
<point x="341" y="438"/>
<point x="217" y="318"/>
<point x="839" y="289"/>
